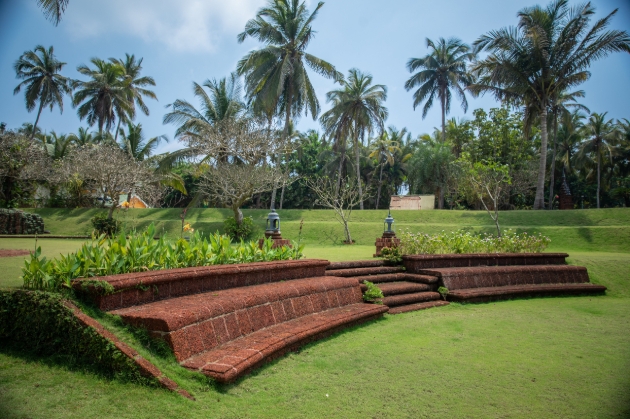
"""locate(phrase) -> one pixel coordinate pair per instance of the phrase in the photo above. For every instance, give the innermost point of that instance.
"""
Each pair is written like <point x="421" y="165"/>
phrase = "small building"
<point x="134" y="202"/>
<point x="412" y="202"/>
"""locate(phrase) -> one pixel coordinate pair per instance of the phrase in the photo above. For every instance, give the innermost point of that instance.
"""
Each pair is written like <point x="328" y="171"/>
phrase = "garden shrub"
<point x="466" y="242"/>
<point x="392" y="255"/>
<point x="373" y="293"/>
<point x="38" y="323"/>
<point x="104" y="225"/>
<point x="236" y="232"/>
<point x="141" y="252"/>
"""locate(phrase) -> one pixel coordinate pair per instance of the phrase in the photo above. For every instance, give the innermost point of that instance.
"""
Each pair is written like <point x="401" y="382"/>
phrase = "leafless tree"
<point x="340" y="198"/>
<point x="234" y="162"/>
<point x="111" y="172"/>
<point x="20" y="159"/>
<point x="489" y="181"/>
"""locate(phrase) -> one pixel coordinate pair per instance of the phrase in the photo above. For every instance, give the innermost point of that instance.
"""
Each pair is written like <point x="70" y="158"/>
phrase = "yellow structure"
<point x="412" y="202"/>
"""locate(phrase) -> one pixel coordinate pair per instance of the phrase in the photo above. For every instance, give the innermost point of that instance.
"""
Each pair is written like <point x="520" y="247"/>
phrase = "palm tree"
<point x="384" y="150"/>
<point x="83" y="137"/>
<point x="357" y="110"/>
<point x="569" y="136"/>
<point x="275" y="75"/>
<point x="602" y="135"/>
<point x="104" y="96"/>
<point x="57" y="146"/>
<point x="134" y="144"/>
<point x="560" y="105"/>
<point x="53" y="9"/>
<point x="135" y="86"/>
<point x="442" y="70"/>
<point x="223" y="101"/>
<point x="40" y="71"/>
<point x="549" y="51"/>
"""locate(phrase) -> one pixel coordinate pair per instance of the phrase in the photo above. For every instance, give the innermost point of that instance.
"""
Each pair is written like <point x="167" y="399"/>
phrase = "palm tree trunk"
<point x="39" y="112"/>
<point x="553" y="158"/>
<point x="282" y="195"/>
<point x="598" y="173"/>
<point x="443" y="100"/>
<point x="380" y="183"/>
<point x="117" y="129"/>
<point x="273" y="197"/>
<point x="356" y="157"/>
<point x="539" y="201"/>
<point x="342" y="157"/>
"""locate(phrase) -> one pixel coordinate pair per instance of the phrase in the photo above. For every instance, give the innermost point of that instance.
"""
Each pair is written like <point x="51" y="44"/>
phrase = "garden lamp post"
<point x="273" y="231"/>
<point x="388" y="231"/>
<point x="273" y="225"/>
<point x="389" y="238"/>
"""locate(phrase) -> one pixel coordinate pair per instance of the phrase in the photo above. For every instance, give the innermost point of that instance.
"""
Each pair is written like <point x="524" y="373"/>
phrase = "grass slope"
<point x="588" y="230"/>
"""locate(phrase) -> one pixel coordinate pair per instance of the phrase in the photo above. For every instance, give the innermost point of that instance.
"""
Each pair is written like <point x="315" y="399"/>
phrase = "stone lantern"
<point x="273" y="231"/>
<point x="389" y="235"/>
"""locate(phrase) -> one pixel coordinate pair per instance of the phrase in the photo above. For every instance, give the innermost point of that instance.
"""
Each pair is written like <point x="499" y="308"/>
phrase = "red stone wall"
<point x="416" y="263"/>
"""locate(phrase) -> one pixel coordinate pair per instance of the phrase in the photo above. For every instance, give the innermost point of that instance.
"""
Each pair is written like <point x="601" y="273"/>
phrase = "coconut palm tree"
<point x="53" y="9"/>
<point x="103" y="96"/>
<point x="384" y="150"/>
<point x="275" y="75"/>
<point x="57" y="146"/>
<point x="549" y="51"/>
<point x="441" y="71"/>
<point x="602" y="135"/>
<point x="40" y="71"/>
<point x="357" y="110"/>
<point x="135" y="86"/>
<point x="134" y="143"/>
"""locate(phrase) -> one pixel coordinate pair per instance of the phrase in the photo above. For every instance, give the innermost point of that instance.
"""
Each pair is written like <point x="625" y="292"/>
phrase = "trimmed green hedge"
<point x="37" y="323"/>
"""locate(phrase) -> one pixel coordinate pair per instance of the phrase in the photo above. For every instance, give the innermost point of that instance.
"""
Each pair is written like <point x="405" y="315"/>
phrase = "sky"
<point x="193" y="40"/>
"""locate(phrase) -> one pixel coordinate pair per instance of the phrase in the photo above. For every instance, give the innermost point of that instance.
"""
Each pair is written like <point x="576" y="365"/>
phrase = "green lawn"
<point x="540" y="358"/>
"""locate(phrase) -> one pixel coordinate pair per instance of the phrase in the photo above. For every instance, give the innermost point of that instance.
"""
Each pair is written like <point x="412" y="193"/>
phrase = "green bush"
<point x="236" y="232"/>
<point x="443" y="292"/>
<point x="141" y="252"/>
<point x="373" y="293"/>
<point x="465" y="242"/>
<point x="104" y="225"/>
<point x="392" y="255"/>
<point x="38" y="323"/>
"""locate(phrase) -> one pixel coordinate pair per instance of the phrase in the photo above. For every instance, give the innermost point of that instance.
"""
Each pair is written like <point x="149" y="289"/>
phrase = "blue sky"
<point x="193" y="40"/>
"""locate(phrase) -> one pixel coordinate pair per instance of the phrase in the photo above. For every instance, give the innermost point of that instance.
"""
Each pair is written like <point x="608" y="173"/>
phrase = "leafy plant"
<point x="393" y="255"/>
<point x="141" y="252"/>
<point x="466" y="242"/>
<point x="104" y="225"/>
<point x="236" y="231"/>
<point x="372" y="294"/>
<point x="443" y="292"/>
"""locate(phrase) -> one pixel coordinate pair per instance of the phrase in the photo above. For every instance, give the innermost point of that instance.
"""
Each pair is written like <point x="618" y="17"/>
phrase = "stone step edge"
<point x="355" y="264"/>
<point x="417" y="306"/>
<point x="398" y="277"/>
<point x="406" y="299"/>
<point x="389" y="288"/>
<point x="357" y="272"/>
<point x="287" y="344"/>
<point x="497" y="293"/>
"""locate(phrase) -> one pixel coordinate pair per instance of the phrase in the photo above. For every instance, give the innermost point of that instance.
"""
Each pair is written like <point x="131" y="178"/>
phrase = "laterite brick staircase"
<point x="226" y="320"/>
<point x="403" y="291"/>
<point x="488" y="277"/>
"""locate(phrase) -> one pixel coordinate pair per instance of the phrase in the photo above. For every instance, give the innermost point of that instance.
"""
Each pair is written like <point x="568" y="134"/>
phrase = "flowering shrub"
<point x="466" y="242"/>
<point x="141" y="252"/>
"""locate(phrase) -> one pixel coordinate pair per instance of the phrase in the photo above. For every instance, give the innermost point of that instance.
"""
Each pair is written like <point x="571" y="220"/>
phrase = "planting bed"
<point x="7" y="253"/>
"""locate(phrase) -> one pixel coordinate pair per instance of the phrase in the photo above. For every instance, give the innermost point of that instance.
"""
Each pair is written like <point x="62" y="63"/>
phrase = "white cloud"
<point x="180" y="25"/>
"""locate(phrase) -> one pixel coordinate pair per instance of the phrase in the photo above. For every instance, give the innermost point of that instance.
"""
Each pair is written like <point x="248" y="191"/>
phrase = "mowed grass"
<point x="540" y="358"/>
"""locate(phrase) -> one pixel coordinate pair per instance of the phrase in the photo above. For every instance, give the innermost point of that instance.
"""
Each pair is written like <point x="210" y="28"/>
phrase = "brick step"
<point x="507" y="292"/>
<point x="229" y="361"/>
<point x="395" y="288"/>
<point x="497" y="276"/>
<point x="382" y="278"/>
<point x="405" y="299"/>
<point x="417" y="306"/>
<point x="377" y="270"/>
<point x="143" y="287"/>
<point x="356" y="264"/>
<point x="197" y="323"/>
<point x="414" y="263"/>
